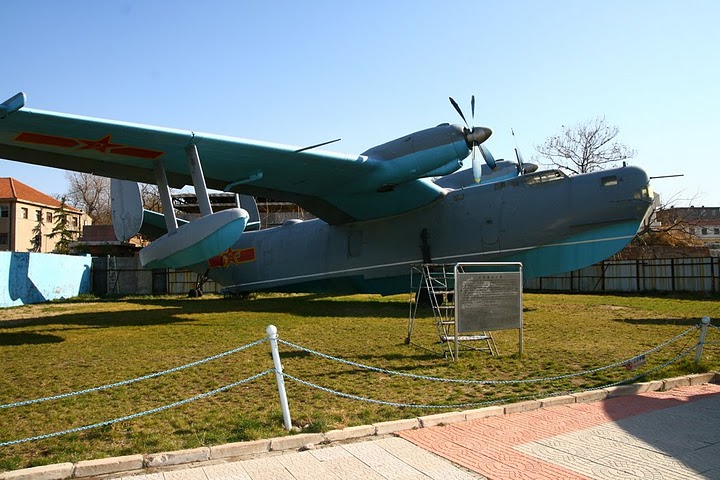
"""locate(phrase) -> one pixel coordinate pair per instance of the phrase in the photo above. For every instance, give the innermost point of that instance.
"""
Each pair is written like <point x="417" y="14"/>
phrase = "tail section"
<point x="127" y="208"/>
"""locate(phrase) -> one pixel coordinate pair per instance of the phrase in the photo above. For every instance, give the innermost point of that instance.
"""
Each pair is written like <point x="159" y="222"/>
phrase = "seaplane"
<point x="399" y="204"/>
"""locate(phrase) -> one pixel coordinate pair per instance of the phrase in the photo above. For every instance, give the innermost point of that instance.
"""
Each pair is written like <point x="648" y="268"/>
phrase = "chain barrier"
<point x="676" y="358"/>
<point x="654" y="369"/>
<point x="140" y="414"/>
<point x="127" y="382"/>
<point x="278" y="371"/>
<point x="488" y="382"/>
<point x="383" y="402"/>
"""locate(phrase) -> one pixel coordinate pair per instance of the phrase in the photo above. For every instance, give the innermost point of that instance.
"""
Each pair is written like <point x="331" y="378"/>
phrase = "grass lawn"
<point x="61" y="347"/>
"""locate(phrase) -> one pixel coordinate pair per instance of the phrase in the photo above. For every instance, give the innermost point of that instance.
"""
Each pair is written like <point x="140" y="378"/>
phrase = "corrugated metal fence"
<point x="181" y="281"/>
<point x="125" y="276"/>
<point x="644" y="275"/>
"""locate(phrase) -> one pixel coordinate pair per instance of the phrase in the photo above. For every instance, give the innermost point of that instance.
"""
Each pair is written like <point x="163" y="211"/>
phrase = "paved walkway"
<point x="380" y="459"/>
<point x="659" y="435"/>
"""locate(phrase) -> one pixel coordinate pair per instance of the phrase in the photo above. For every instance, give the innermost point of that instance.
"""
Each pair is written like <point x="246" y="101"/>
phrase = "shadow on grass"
<point x="294" y="354"/>
<point x="7" y="339"/>
<point x="415" y="357"/>
<point x="308" y="305"/>
<point x="99" y="320"/>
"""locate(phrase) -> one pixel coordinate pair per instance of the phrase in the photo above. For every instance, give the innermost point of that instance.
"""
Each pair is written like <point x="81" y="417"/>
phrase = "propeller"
<point x="474" y="136"/>
<point x="518" y="155"/>
<point x="522" y="167"/>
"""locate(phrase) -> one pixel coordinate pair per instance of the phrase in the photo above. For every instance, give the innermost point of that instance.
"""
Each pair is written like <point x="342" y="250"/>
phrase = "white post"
<point x="272" y="336"/>
<point x="703" y="331"/>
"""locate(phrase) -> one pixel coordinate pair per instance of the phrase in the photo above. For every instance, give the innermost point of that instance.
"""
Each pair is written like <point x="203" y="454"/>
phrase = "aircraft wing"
<point x="335" y="187"/>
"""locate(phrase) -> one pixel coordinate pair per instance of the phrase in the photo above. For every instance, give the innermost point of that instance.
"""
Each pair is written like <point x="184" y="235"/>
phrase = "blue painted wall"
<point x="39" y="277"/>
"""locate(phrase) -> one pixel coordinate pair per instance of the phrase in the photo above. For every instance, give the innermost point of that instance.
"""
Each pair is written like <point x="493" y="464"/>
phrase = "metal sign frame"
<point x="488" y="296"/>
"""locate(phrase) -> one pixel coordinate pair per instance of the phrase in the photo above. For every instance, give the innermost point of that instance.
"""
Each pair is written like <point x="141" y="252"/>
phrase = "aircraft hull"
<point x="551" y="224"/>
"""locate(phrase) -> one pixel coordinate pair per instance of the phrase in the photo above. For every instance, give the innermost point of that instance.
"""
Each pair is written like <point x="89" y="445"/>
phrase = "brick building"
<point x="702" y="223"/>
<point x="22" y="208"/>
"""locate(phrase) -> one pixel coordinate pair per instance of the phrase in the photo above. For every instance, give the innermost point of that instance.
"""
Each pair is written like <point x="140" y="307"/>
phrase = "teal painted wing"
<point x="335" y="187"/>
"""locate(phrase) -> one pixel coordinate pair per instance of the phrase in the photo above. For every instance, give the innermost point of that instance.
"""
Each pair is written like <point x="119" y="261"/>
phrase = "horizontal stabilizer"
<point x="12" y="105"/>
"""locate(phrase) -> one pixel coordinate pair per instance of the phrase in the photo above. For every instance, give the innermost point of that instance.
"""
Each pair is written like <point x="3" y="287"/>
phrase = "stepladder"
<point x="433" y="286"/>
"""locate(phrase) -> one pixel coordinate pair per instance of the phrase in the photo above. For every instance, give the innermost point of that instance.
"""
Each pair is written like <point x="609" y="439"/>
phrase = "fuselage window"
<point x="609" y="181"/>
<point x="644" y="192"/>
<point x="545" y="177"/>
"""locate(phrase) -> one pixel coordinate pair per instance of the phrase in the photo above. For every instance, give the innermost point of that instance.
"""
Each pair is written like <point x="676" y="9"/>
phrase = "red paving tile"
<point x="486" y="445"/>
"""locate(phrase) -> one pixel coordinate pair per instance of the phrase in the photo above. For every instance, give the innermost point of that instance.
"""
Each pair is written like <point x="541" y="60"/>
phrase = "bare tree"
<point x="150" y="197"/>
<point x="586" y="147"/>
<point x="90" y="194"/>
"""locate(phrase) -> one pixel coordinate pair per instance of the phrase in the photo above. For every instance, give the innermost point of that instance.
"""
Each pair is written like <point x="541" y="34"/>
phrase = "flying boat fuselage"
<point x="547" y="220"/>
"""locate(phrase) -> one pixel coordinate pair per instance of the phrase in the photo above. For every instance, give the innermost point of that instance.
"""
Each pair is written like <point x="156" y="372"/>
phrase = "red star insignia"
<point x="100" y="145"/>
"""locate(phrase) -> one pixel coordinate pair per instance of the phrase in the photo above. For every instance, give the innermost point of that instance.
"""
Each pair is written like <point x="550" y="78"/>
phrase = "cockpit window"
<point x="544" y="177"/>
<point x="609" y="181"/>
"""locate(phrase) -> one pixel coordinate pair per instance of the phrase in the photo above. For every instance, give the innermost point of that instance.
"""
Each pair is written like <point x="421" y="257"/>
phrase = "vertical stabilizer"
<point x="127" y="208"/>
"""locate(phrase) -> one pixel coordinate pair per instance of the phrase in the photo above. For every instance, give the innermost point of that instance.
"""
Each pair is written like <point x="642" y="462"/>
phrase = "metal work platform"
<point x="434" y="285"/>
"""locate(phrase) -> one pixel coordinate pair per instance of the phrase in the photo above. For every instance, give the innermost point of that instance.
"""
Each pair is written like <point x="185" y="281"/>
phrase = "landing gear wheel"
<point x="197" y="291"/>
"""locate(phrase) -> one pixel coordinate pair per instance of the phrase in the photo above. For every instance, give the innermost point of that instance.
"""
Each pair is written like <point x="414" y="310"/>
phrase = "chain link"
<point x="487" y="402"/>
<point x="486" y="382"/>
<point x="140" y="414"/>
<point x="127" y="382"/>
<point x="383" y="402"/>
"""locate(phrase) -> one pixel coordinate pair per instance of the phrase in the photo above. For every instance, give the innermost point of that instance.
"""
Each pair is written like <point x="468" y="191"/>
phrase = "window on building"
<point x="3" y="238"/>
<point x="38" y="215"/>
<point x="23" y="213"/>
<point x="48" y="217"/>
<point x="74" y="221"/>
<point x="716" y="231"/>
<point x="704" y="231"/>
<point x="692" y="230"/>
<point x="4" y="211"/>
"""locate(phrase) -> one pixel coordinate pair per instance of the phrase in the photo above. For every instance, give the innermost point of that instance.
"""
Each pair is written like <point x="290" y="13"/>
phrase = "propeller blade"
<point x="489" y="159"/>
<point x="476" y="168"/>
<point x="521" y="163"/>
<point x="518" y="155"/>
<point x="457" y="109"/>
<point x="472" y="109"/>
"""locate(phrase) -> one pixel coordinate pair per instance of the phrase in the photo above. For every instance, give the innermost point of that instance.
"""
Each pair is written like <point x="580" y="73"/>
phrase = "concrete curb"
<point x="58" y="471"/>
<point x="233" y="451"/>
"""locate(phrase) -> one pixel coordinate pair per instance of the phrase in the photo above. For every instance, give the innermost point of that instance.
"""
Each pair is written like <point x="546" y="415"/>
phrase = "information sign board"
<point x="487" y="301"/>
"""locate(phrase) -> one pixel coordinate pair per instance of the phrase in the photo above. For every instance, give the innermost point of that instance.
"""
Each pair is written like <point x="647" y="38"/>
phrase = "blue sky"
<point x="304" y="72"/>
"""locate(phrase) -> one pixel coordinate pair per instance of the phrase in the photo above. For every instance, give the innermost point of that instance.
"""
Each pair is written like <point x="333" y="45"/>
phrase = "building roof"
<point x="12" y="189"/>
